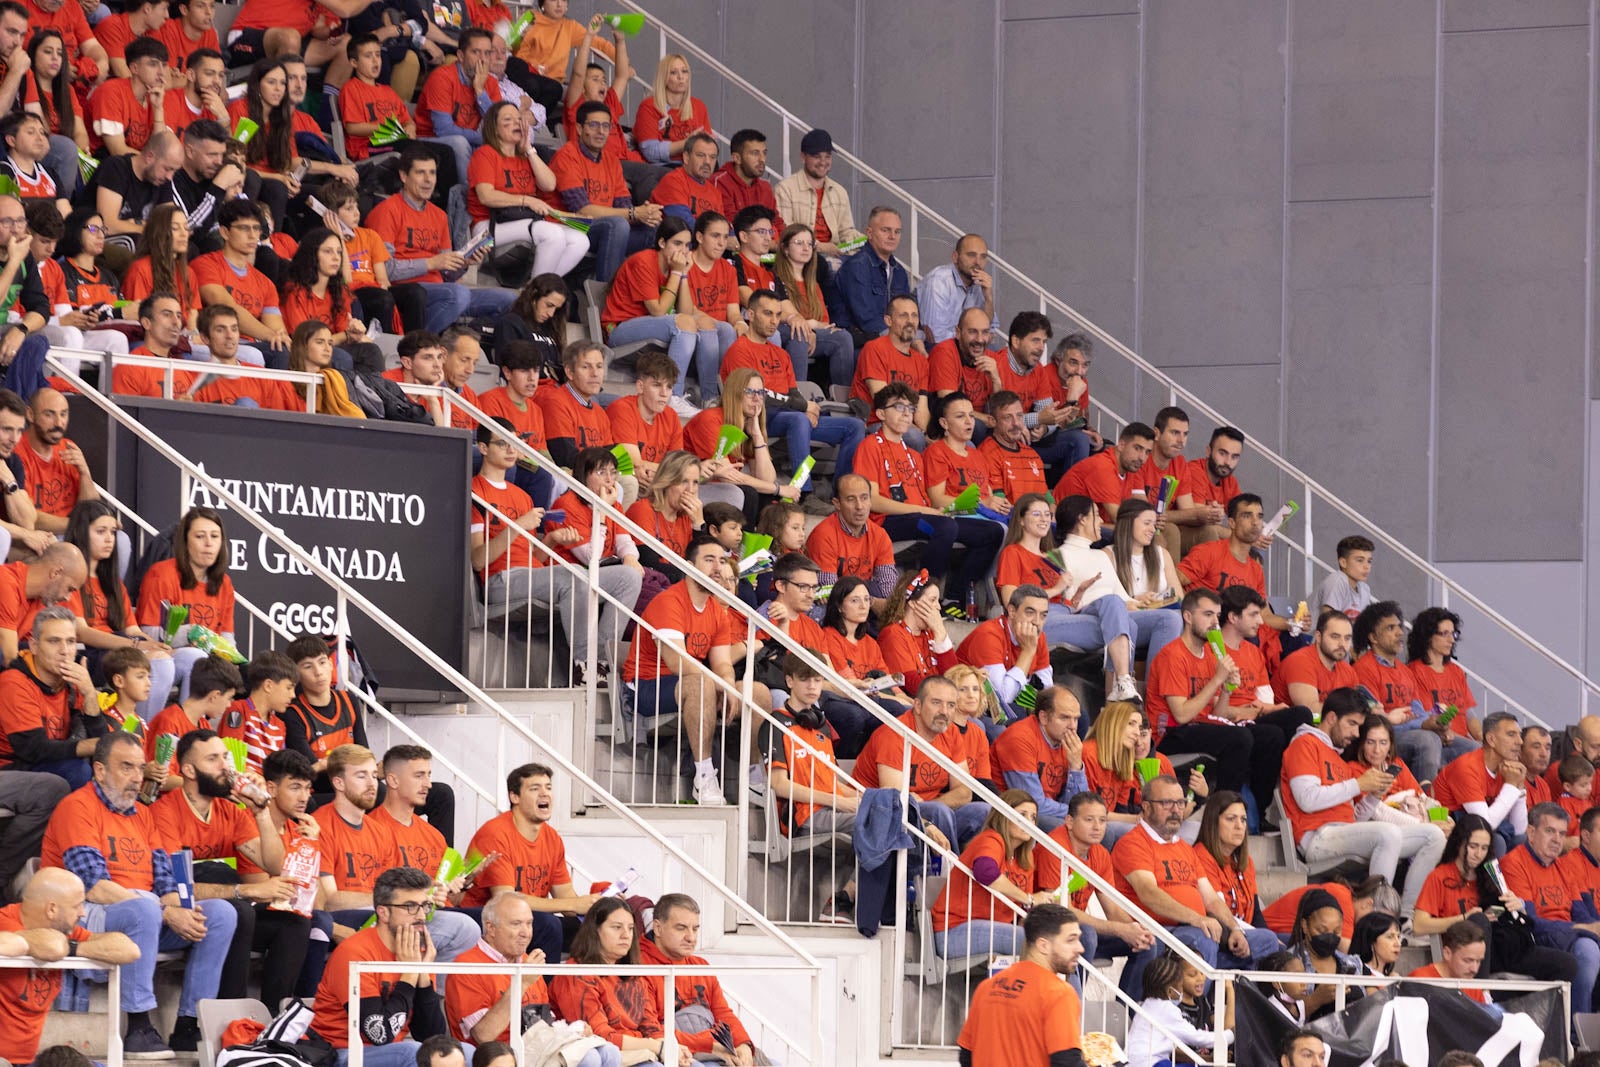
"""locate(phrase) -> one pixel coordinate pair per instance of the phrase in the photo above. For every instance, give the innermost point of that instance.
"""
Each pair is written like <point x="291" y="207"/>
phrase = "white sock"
<point x="705" y="768"/>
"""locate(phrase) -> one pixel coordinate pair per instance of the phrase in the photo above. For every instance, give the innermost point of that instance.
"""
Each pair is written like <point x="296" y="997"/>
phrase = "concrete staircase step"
<point x="1272" y="884"/>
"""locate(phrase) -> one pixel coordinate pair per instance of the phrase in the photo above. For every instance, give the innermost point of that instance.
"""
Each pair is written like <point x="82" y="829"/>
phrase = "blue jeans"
<point x="75" y="771"/>
<point x="939" y="535"/>
<point x="959" y="825"/>
<point x="681" y="344"/>
<point x="832" y="346"/>
<point x="1154" y="629"/>
<point x="979" y="937"/>
<point x="140" y="918"/>
<point x="448" y="302"/>
<point x="798" y="433"/>
<point x="1095" y="626"/>
<point x="1061" y="450"/>
<point x="394" y="1054"/>
<point x="62" y="163"/>
<point x="25" y="375"/>
<point x="613" y="239"/>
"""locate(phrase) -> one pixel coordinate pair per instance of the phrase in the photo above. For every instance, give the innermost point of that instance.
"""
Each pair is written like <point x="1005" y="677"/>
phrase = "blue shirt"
<point x="862" y="288"/>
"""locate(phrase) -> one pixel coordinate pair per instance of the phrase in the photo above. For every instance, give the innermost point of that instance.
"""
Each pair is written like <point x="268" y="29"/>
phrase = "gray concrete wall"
<point x="1361" y="228"/>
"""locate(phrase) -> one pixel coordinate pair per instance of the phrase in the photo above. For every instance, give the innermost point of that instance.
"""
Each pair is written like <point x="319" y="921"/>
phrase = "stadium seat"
<point x="776" y="846"/>
<point x="215" y="1015"/>
<point x="934" y="968"/>
<point x="594" y="298"/>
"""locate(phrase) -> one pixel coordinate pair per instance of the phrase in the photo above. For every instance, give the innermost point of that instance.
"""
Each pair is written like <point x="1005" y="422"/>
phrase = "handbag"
<point x="501" y="215"/>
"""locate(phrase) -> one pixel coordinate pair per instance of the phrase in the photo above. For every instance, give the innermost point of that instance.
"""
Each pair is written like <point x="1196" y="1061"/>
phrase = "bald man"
<point x="1584" y="740"/>
<point x="46" y="926"/>
<point x="58" y="475"/>
<point x="25" y="586"/>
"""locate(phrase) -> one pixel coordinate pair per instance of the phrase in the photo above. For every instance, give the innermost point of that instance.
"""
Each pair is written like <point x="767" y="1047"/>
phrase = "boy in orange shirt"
<point x="1577" y="781"/>
<point x="370" y="286"/>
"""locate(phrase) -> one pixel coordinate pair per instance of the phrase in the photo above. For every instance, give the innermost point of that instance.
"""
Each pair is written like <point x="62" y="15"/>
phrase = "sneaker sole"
<point x="166" y="1054"/>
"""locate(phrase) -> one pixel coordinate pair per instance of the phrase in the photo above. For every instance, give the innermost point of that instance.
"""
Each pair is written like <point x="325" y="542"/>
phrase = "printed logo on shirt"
<point x="421" y="857"/>
<point x="124" y="849"/>
<point x="532" y="879"/>
<point x="39" y="991"/>
<point x="360" y="868"/>
<point x="1178" y="871"/>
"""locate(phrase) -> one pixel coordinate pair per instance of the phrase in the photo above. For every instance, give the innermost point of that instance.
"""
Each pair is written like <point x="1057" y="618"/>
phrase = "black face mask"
<point x="1324" y="945"/>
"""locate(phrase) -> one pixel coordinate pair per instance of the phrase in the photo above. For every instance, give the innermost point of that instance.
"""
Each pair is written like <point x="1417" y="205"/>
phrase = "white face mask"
<point x="1175" y="995"/>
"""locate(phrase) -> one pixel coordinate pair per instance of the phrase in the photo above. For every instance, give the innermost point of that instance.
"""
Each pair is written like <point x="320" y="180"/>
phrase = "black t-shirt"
<point x="138" y="195"/>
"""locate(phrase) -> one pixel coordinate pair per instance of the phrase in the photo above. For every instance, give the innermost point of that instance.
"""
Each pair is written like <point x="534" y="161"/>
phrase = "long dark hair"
<point x="1369" y="928"/>
<point x="273" y="144"/>
<point x="180" y="552"/>
<point x="1122" y="547"/>
<point x="1352" y="752"/>
<point x="1466" y="825"/>
<point x="586" y="942"/>
<point x="55" y="97"/>
<point x="85" y="514"/>
<point x="304" y="273"/>
<point x="833" y="615"/>
<point x="169" y="272"/>
<point x="1209" y="838"/>
<point x="540" y="286"/>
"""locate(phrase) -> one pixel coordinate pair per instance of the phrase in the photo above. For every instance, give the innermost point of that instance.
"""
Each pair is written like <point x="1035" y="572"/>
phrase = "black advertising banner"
<point x="382" y="505"/>
<point x="1415" y="1024"/>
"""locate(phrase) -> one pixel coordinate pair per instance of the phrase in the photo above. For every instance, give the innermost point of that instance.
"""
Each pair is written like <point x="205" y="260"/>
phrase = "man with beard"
<point x="1219" y="564"/>
<point x="355" y="849"/>
<point x="964" y="364"/>
<point x="1015" y="469"/>
<point x="896" y="356"/>
<point x="102" y="834"/>
<point x="389" y="1002"/>
<point x="37" y="704"/>
<point x="205" y="180"/>
<point x="203" y="817"/>
<point x="288" y="777"/>
<point x="1208" y="483"/>
<point x="530" y="860"/>
<point x="1305" y="678"/>
<point x="46" y="925"/>
<point x="58" y="475"/>
<point x="161" y="315"/>
<point x="1026" y="1014"/>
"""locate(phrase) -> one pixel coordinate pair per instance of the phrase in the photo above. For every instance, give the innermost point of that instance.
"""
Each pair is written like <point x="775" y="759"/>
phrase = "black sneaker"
<point x="143" y="1043"/>
<point x="185" y="1035"/>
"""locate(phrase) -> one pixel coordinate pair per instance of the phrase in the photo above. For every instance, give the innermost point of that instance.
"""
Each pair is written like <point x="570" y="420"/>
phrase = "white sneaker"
<point x="1124" y="689"/>
<point x="684" y="407"/>
<point x="708" y="791"/>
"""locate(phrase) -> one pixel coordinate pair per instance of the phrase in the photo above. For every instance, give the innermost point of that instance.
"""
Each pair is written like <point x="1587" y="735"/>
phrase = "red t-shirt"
<point x="180" y="46"/>
<point x="838" y="552"/>
<point x="511" y="501"/>
<point x="215" y="838"/>
<point x="124" y="841"/>
<point x="1439" y="689"/>
<point x="1236" y="887"/>
<point x="1546" y="889"/>
<point x="1101" y="479"/>
<point x="650" y="125"/>
<point x="881" y="361"/>
<point x="250" y="290"/>
<point x="1446" y="894"/>
<point x="531" y="867"/>
<point x="763" y="357"/>
<point x="1392" y="684"/>
<point x="1174" y="864"/>
<point x="215" y="612"/>
<point x="330" y="1014"/>
<point x="600" y="180"/>
<point x="445" y="91"/>
<point x="853" y="659"/>
<point x="24" y="706"/>
<point x="942" y="466"/>
<point x="1304" y="667"/>
<point x="1212" y="566"/>
<point x="508" y="174"/>
<point x="894" y="469"/>
<point x="887" y="747"/>
<point x="675" y="534"/>
<point x="1023" y="1015"/>
<point x="53" y="482"/>
<point x="1196" y="482"/>
<point x="1023" y="748"/>
<point x="361" y="103"/>
<point x="1314" y="757"/>
<point x="1032" y="387"/>
<point x="1020" y="565"/>
<point x="963" y="899"/>
<point x="1047" y="869"/>
<point x="1466" y="780"/>
<point x="640" y="278"/>
<point x="668" y="616"/>
<point x="1176" y="672"/>
<point x="469" y="996"/>
<point x="522" y="414"/>
<point x="413" y="233"/>
<point x="114" y="110"/>
<point x="302" y="304"/>
<point x="26" y="995"/>
<point x="418" y="845"/>
<point x="991" y="642"/>
<point x="676" y="187"/>
<point x="587" y="426"/>
<point x="1013" y="471"/>
<point x="662" y="434"/>
<point x="715" y="290"/>
<point x="947" y="374"/>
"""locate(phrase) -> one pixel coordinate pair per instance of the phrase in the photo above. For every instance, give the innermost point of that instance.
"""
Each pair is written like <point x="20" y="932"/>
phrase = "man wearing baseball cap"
<point x="810" y="196"/>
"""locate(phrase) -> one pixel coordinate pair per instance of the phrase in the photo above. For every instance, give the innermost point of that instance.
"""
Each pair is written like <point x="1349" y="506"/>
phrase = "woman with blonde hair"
<point x="671" y="113"/>
<point x="1111" y="754"/>
<point x="749" y="464"/>
<point x="671" y="510"/>
<point x="969" y="918"/>
<point x="977" y="711"/>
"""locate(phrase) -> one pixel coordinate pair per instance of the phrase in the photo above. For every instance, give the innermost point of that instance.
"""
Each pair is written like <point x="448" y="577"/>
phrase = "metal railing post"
<point x="1309" y="553"/>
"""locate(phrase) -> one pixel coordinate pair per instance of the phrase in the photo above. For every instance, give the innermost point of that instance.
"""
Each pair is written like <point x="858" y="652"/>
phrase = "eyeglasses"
<point x="904" y="409"/>
<point x="98" y="231"/>
<point x="20" y="220"/>
<point x="1454" y="635"/>
<point x="804" y="588"/>
<point x="245" y="228"/>
<point x="412" y="908"/>
<point x="1178" y="803"/>
<point x="597" y="126"/>
<point x="754" y="392"/>
<point x="762" y="231"/>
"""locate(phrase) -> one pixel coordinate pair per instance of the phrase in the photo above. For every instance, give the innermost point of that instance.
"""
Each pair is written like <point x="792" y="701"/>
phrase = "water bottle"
<point x="620" y="887"/>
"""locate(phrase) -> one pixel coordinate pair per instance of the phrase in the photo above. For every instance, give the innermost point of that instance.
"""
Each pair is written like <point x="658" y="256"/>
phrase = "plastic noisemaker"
<point x="166" y="745"/>
<point x="1166" y="490"/>
<point x="177" y="615"/>
<point x="624" y="461"/>
<point x="1214" y="639"/>
<point x="214" y="644"/>
<point x="626" y="24"/>
<point x="1075" y="882"/>
<point x="966" y="501"/>
<point x="802" y="473"/>
<point x="451" y="866"/>
<point x="245" y="129"/>
<point x="728" y="439"/>
<point x="1275" y="523"/>
<point x="1147" y="768"/>
<point x="239" y="751"/>
<point x="388" y="132"/>
<point x="515" y="31"/>
<point x="575" y="222"/>
<point x="87" y="165"/>
<point x="1027" y="698"/>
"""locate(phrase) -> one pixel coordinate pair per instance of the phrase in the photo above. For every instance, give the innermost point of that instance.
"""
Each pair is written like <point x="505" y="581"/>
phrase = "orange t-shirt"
<point x="1174" y="864"/>
<point x="302" y="304"/>
<point x="533" y="868"/>
<point x="1446" y="894"/>
<point x="947" y="374"/>
<point x="469" y="996"/>
<point x="649" y="124"/>
<point x="252" y="290"/>
<point x="513" y="503"/>
<point x="215" y="838"/>
<point x="1313" y="756"/>
<point x="992" y="643"/>
<point x="838" y="552"/>
<point x="270" y="395"/>
<point x="675" y="534"/>
<point x="13" y="596"/>
<point x="881" y="361"/>
<point x="173" y="720"/>
<point x="361" y="103"/>
<point x="528" y="419"/>
<point x="1032" y="386"/>
<point x="763" y="357"/>
<point x="114" y="111"/>
<point x="413" y="233"/>
<point x="1304" y="667"/>
<point x="365" y="251"/>
<point x="1438" y="689"/>
<point x="445" y="91"/>
<point x="1047" y="869"/>
<point x="1020" y="565"/>
<point x="330" y="1013"/>
<point x="97" y="612"/>
<point x="1122" y="795"/>
<point x="160" y="585"/>
<point x="52" y="482"/>
<point x="1253" y="674"/>
<point x="674" y="613"/>
<point x="1022" y="747"/>
<point x="353" y="855"/>
<point x="662" y="434"/>
<point x="24" y="706"/>
<point x="600" y="180"/>
<point x="419" y="845"/>
<point x="125" y="841"/>
<point x="1236" y="887"/>
<point x="894" y="468"/>
<point x="677" y="188"/>
<point x="139" y="284"/>
<point x="1212" y="566"/>
<point x="1021" y="1016"/>
<point x="1466" y="780"/>
<point x="587" y="425"/>
<point x="1432" y="971"/>
<point x="1280" y="914"/>
<point x="795" y="756"/>
<point x="853" y="659"/>
<point x="886" y="747"/>
<point x="179" y="44"/>
<point x="1176" y="672"/>
<point x="1392" y="684"/>
<point x="1101" y="479"/>
<point x="148" y="381"/>
<point x="941" y="466"/>
<point x="913" y="654"/>
<point x="1013" y="471"/>
<point x="507" y="174"/>
<point x="26" y="995"/>
<point x="963" y="899"/>
<point x="1196" y="482"/>
<point x="714" y="289"/>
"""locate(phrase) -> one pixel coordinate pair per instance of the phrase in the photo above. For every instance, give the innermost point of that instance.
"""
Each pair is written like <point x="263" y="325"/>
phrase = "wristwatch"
<point x="72" y="947"/>
<point x="14" y="487"/>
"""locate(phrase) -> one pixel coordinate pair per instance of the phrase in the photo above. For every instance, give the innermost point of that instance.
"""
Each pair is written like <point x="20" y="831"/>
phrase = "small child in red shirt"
<point x="1577" y="786"/>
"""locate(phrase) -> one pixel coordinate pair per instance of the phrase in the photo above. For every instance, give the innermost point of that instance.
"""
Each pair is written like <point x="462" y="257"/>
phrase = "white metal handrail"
<point x="1048" y="302"/>
<point x="170" y="366"/>
<point x="668" y="973"/>
<point x="113" y="974"/>
<point x="348" y="597"/>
